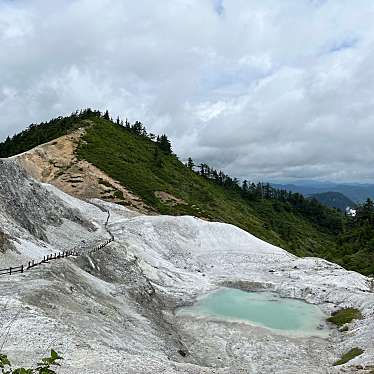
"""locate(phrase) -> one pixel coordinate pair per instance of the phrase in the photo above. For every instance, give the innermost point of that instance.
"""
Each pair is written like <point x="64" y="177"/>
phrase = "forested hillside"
<point x="37" y="134"/>
<point x="146" y="165"/>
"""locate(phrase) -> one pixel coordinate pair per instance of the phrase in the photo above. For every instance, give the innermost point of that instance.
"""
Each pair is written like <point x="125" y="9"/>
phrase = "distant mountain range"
<point x="356" y="192"/>
<point x="334" y="200"/>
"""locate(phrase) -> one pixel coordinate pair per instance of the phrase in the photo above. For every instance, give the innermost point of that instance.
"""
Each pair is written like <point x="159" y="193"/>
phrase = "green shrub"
<point x="118" y="195"/>
<point x="43" y="367"/>
<point x="343" y="316"/>
<point x="351" y="354"/>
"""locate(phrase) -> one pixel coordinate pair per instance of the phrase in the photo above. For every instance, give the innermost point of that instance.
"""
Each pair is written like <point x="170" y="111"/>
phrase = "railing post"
<point x="21" y="268"/>
<point x="10" y="271"/>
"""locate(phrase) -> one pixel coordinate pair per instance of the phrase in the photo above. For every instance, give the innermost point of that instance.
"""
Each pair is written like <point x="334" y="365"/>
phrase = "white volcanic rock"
<point x="113" y="311"/>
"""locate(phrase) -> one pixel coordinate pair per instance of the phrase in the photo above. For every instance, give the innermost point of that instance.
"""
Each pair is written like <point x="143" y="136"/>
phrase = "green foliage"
<point x="164" y="144"/>
<point x="351" y="354"/>
<point x="118" y="195"/>
<point x="355" y="248"/>
<point x="343" y="316"/>
<point x="190" y="164"/>
<point x="44" y="367"/>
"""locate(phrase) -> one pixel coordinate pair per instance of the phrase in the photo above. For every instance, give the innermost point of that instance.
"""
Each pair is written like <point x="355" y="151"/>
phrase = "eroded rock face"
<point x="31" y="205"/>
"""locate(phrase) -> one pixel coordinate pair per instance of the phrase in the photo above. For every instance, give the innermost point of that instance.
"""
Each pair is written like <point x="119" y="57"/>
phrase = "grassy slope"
<point x="130" y="159"/>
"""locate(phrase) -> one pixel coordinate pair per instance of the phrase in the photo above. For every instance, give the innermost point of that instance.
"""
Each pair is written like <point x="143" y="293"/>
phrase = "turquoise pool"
<point x="264" y="309"/>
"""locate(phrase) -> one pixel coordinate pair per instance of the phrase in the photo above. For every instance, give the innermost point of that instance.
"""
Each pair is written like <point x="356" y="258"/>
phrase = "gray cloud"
<point x="265" y="90"/>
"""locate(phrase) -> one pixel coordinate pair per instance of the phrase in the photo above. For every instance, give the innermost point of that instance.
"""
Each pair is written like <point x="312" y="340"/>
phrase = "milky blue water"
<point x="264" y="309"/>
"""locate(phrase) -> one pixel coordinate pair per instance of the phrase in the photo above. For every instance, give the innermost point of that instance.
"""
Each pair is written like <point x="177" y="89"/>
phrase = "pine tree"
<point x="202" y="170"/>
<point x="106" y="115"/>
<point x="190" y="163"/>
<point x="138" y="128"/>
<point x="164" y="144"/>
<point x="245" y="188"/>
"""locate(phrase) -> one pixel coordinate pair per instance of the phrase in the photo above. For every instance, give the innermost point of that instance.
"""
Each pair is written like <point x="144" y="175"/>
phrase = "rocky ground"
<point x="113" y="311"/>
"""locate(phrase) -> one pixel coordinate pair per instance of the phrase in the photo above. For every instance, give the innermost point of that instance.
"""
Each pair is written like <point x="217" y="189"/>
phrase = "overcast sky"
<point x="267" y="89"/>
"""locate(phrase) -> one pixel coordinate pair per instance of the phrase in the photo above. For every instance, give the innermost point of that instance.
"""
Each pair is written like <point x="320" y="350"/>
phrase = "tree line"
<point x="36" y="134"/>
<point x="311" y="208"/>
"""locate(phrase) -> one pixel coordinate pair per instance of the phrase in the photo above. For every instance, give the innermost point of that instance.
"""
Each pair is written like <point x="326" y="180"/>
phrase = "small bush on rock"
<point x="354" y="352"/>
<point x="343" y="316"/>
<point x="43" y="367"/>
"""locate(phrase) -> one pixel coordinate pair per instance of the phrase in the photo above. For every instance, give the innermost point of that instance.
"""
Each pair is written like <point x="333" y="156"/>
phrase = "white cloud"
<point x="265" y="90"/>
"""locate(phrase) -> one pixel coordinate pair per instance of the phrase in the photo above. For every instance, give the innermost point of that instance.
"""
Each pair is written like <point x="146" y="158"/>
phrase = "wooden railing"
<point x="58" y="255"/>
<point x="12" y="270"/>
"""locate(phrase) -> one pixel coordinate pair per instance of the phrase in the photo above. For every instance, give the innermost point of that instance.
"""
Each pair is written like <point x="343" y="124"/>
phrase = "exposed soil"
<point x="56" y="163"/>
<point x="169" y="199"/>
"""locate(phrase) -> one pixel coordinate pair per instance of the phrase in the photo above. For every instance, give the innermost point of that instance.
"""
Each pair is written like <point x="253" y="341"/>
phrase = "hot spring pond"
<point x="264" y="309"/>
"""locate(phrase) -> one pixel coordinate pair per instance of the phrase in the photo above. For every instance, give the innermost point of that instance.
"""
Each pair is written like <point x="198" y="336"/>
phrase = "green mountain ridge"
<point x="146" y="166"/>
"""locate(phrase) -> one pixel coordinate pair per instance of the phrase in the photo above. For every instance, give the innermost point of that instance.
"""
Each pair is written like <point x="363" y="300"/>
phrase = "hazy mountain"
<point x="354" y="191"/>
<point x="334" y="200"/>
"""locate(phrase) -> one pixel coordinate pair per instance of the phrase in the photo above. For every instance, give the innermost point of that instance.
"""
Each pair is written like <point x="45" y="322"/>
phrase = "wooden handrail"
<point x="57" y="255"/>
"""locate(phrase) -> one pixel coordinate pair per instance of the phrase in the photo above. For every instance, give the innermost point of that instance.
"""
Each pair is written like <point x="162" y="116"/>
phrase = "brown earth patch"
<point x="56" y="163"/>
<point x="169" y="199"/>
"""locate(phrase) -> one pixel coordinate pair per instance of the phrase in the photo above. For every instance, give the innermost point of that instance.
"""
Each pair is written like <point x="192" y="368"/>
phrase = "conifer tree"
<point x="245" y="187"/>
<point x="106" y="115"/>
<point x="190" y="163"/>
<point x="164" y="144"/>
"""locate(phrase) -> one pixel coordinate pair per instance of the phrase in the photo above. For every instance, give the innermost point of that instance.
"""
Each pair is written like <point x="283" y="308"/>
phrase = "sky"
<point x="273" y="90"/>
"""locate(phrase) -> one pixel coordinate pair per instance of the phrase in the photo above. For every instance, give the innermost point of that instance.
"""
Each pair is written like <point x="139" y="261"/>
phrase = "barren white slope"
<point x="113" y="311"/>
